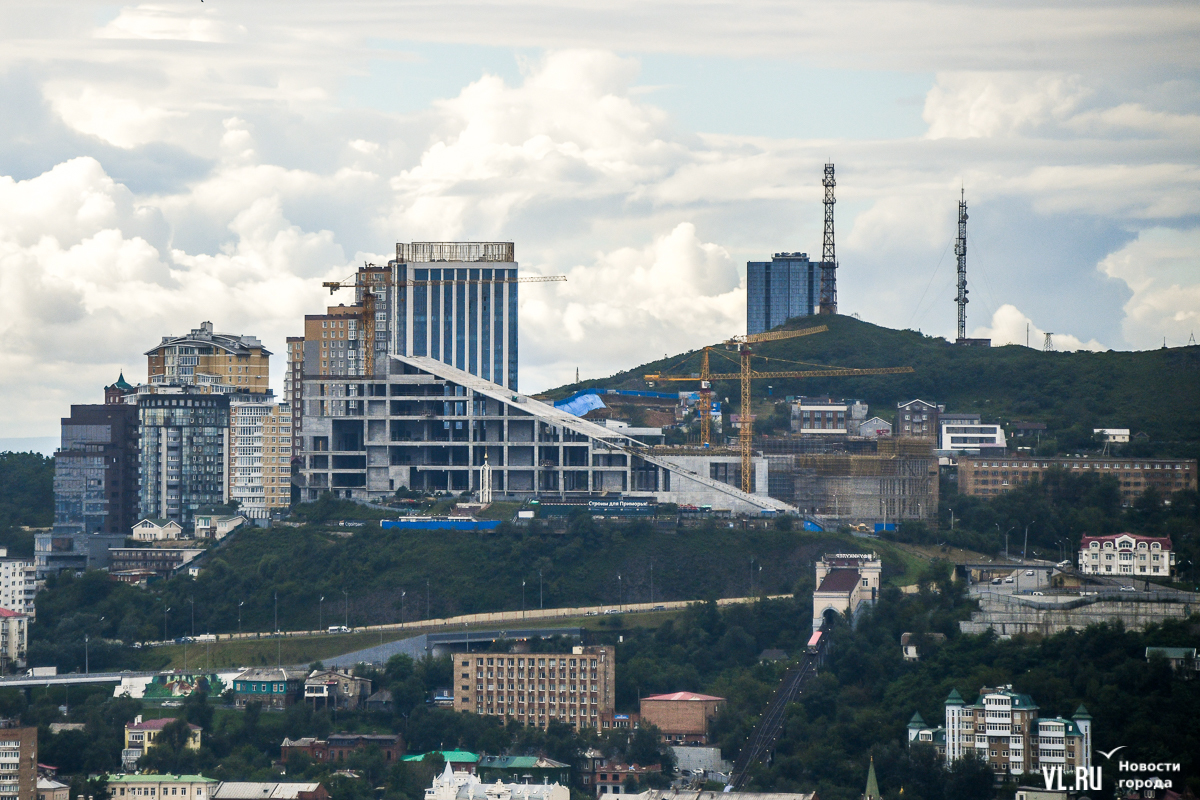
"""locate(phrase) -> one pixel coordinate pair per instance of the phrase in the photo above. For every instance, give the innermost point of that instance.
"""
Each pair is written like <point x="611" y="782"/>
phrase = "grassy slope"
<point x="1149" y="391"/>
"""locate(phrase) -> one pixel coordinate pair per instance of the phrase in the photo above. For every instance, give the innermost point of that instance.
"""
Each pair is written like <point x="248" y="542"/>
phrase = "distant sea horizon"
<point x="46" y="445"/>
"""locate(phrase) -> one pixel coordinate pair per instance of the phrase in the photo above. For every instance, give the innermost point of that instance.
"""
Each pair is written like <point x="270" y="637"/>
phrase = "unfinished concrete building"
<point x="899" y="482"/>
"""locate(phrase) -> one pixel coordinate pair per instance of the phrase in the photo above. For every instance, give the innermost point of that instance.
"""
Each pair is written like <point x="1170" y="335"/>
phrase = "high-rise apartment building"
<point x="455" y="302"/>
<point x="787" y="286"/>
<point x="184" y="460"/>
<point x="247" y="417"/>
<point x="212" y="362"/>
<point x="574" y="688"/>
<point x="96" y="469"/>
<point x="277" y="457"/>
<point x="19" y="585"/>
<point x="18" y="764"/>
<point x="293" y="386"/>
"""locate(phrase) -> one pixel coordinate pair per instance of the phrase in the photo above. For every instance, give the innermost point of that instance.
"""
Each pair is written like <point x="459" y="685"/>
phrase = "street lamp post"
<point x="165" y="610"/>
<point x="541" y="606"/>
<point x="651" y="581"/>
<point x="620" y="593"/>
<point x="952" y="519"/>
<point x="403" y="594"/>
<point x="86" y="668"/>
<point x="192" y="603"/>
<point x="1025" y="546"/>
<point x="427" y="615"/>
<point x="276" y="611"/>
<point x="346" y="599"/>
<point x="240" y="604"/>
<point x="522" y="599"/>
<point x="321" y="613"/>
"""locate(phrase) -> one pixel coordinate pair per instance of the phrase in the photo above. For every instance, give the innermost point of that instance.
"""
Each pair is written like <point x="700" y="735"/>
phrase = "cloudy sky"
<point x="172" y="162"/>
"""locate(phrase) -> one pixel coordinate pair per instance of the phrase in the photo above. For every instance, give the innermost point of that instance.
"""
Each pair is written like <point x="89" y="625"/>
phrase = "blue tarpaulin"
<point x="580" y="404"/>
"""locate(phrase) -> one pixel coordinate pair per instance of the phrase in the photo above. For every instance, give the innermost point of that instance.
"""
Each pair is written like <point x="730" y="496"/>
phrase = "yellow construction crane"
<point x="358" y="281"/>
<point x="745" y="375"/>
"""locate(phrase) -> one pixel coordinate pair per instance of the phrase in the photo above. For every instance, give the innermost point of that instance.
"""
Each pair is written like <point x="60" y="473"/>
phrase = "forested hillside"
<point x="1151" y="391"/>
<point x="26" y="499"/>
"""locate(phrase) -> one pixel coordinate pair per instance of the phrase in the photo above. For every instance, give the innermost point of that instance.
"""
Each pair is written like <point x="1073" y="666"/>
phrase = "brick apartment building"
<point x="990" y="475"/>
<point x="682" y="717"/>
<point x="337" y="746"/>
<point x="536" y="688"/>
<point x="18" y="770"/>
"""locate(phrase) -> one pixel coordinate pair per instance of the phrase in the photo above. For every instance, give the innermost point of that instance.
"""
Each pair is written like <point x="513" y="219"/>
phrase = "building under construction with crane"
<point x="413" y="385"/>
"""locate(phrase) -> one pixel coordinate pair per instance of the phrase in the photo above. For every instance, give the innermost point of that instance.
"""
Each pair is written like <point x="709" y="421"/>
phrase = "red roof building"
<point x="682" y="717"/>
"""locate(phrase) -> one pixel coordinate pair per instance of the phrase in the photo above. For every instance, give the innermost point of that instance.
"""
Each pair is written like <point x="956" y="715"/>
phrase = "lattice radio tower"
<point x="828" y="252"/>
<point x="1048" y="344"/>
<point x="960" y="250"/>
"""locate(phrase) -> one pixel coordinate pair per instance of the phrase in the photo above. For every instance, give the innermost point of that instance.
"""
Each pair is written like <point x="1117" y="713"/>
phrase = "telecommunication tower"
<point x="1048" y="344"/>
<point x="960" y="250"/>
<point x="828" y="253"/>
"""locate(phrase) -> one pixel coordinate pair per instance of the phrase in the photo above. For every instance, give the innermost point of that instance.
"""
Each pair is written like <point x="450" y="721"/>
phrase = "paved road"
<point x="494" y="618"/>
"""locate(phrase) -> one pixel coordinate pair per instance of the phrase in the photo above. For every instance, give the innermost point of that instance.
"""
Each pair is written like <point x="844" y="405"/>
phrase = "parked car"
<point x="1128" y="589"/>
<point x="338" y="629"/>
<point x="1039" y="594"/>
<point x="1008" y="580"/>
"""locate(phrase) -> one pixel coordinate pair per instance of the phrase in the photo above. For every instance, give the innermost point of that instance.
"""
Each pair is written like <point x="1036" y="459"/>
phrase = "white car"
<point x="1029" y="573"/>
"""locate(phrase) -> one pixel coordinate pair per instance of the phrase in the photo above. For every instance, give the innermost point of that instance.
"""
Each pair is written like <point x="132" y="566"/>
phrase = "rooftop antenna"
<point x="1048" y="345"/>
<point x="960" y="250"/>
<point x="828" y="253"/>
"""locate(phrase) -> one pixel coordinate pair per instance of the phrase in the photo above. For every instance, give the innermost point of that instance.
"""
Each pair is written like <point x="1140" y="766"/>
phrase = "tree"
<point x="969" y="778"/>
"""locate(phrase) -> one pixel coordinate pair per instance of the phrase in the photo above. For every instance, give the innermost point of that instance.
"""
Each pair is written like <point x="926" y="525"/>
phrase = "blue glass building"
<point x="789" y="285"/>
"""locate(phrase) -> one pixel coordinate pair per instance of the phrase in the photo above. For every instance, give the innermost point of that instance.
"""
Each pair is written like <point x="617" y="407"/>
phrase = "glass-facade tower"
<point x="786" y="286"/>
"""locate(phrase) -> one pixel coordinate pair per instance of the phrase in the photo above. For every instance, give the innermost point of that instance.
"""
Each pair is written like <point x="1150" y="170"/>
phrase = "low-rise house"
<point x="522" y="769"/>
<point x="1111" y="435"/>
<point x="909" y="644"/>
<point x="273" y="687"/>
<point x="49" y="789"/>
<point x="337" y="746"/>
<point x="1181" y="659"/>
<point x="180" y="787"/>
<point x="875" y="428"/>
<point x="459" y="760"/>
<point x="253" y="790"/>
<point x="330" y="688"/>
<point x="382" y="701"/>
<point x="610" y="776"/>
<point x="156" y="529"/>
<point x="141" y="734"/>
<point x="216" y="525"/>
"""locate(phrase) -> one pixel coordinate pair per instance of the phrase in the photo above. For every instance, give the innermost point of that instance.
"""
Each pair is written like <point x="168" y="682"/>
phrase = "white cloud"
<point x="576" y="164"/>
<point x="1010" y="326"/>
<point x="974" y="104"/>
<point x="632" y="305"/>
<point x="1161" y="267"/>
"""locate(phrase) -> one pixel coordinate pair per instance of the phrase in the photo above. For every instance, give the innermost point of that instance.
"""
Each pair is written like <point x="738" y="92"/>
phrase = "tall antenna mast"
<point x="960" y="250"/>
<point x="828" y="254"/>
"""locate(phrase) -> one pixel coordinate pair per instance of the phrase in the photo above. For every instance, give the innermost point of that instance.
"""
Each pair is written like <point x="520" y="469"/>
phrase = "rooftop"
<point x="159" y="779"/>
<point x="839" y="580"/>
<point x="156" y="724"/>
<point x="682" y="696"/>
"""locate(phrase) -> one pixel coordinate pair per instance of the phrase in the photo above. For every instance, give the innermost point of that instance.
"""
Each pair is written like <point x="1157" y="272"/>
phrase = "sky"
<point x="167" y="163"/>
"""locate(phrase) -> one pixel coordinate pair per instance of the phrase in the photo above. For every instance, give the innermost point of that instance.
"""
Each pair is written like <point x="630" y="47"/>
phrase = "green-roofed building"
<point x="522" y="769"/>
<point x="459" y="760"/>
<point x="1004" y="728"/>
<point x="1180" y="658"/>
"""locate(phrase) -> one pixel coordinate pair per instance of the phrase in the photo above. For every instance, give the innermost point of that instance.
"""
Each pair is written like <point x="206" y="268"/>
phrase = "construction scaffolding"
<point x="899" y="482"/>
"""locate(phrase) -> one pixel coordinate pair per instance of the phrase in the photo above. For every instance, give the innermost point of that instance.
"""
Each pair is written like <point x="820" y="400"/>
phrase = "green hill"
<point x="1150" y="391"/>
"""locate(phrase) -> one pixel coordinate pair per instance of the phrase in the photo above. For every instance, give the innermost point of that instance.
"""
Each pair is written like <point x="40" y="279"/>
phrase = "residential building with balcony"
<point x="538" y="688"/>
<point x="917" y="418"/>
<point x="14" y="641"/>
<point x="18" y="577"/>
<point x="18" y="761"/>
<point x="1127" y="555"/>
<point x="279" y="433"/>
<point x="824" y="415"/>
<point x="211" y="362"/>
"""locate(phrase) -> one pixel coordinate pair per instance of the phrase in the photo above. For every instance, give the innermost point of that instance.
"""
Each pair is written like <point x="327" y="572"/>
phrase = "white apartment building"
<point x="968" y="435"/>
<point x="1127" y="555"/>
<point x="247" y="413"/>
<point x="17" y="584"/>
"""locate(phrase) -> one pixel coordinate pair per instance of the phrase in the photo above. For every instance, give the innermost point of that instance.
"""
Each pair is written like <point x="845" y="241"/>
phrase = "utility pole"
<point x="828" y="251"/>
<point x="960" y="250"/>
